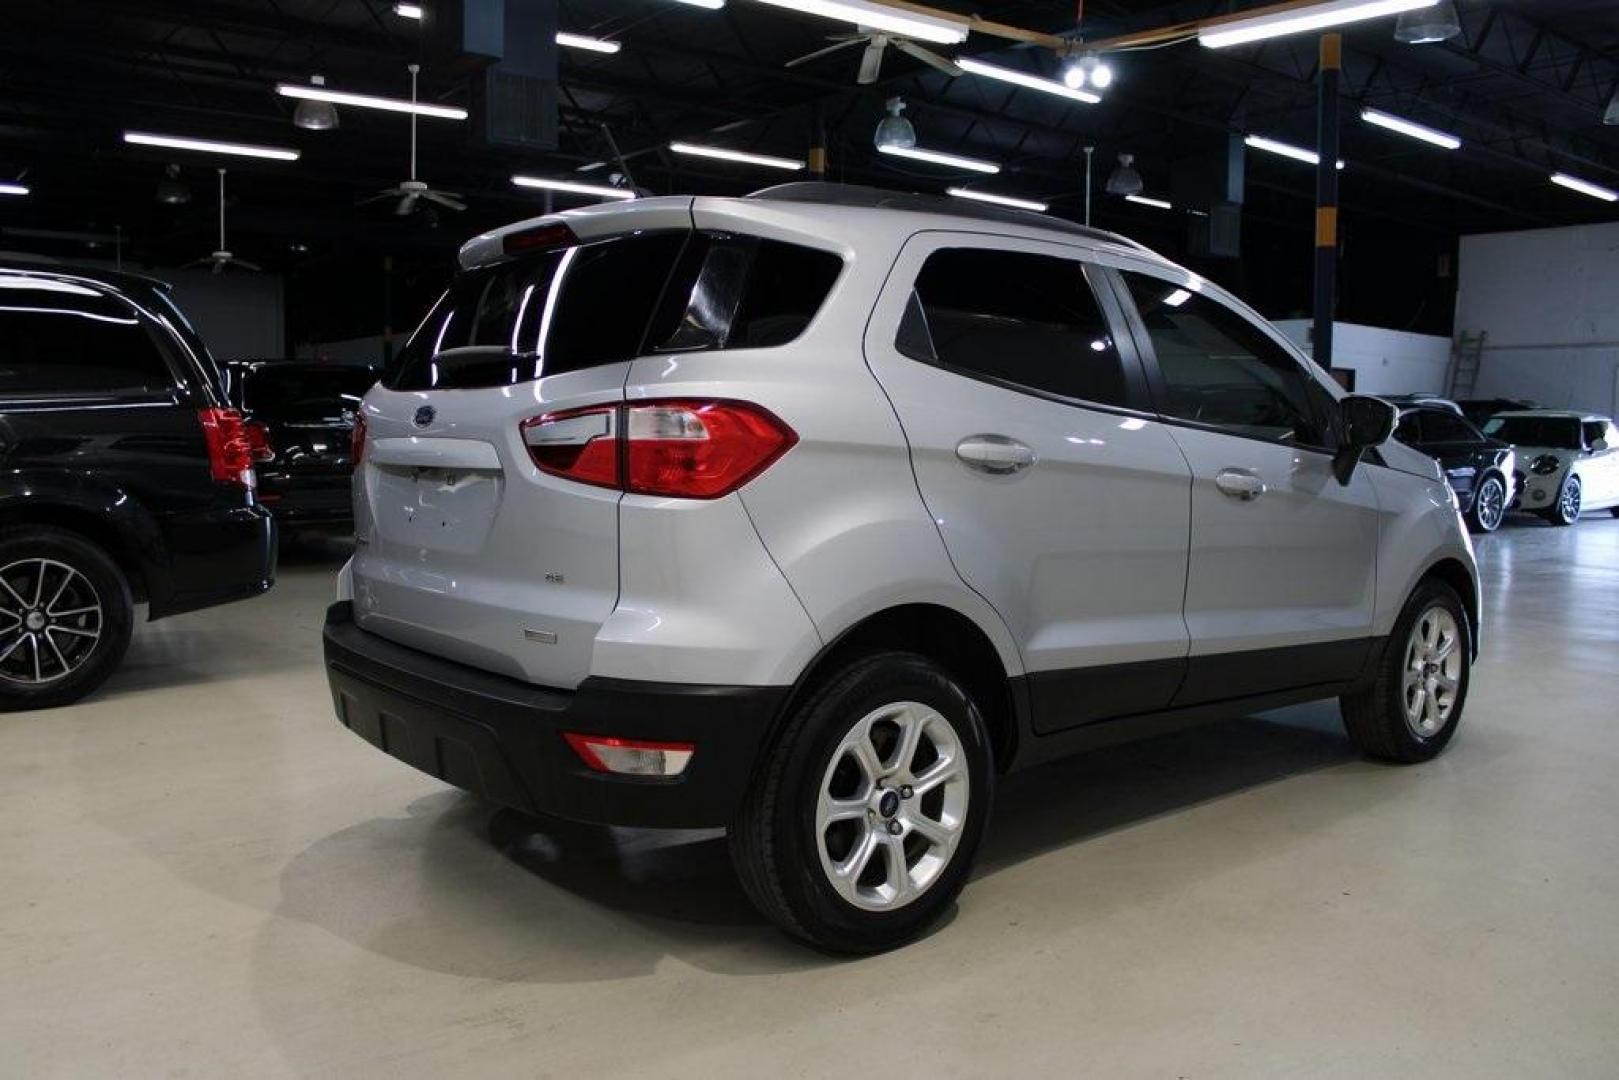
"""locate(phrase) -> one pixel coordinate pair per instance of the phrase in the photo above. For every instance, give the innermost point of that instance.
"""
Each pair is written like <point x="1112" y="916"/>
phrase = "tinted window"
<point x="1218" y="368"/>
<point x="743" y="292"/>
<point x="1593" y="430"/>
<point x="1028" y="320"/>
<point x="1409" y="429"/>
<point x="545" y="314"/>
<point x="58" y="337"/>
<point x="1442" y="425"/>
<point x="1558" y="432"/>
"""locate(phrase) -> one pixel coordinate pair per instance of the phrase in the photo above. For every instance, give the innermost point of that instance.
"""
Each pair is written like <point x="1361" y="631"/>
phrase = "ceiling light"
<point x="894" y="129"/>
<point x="1437" y="23"/>
<point x="998" y="200"/>
<point x="1287" y="150"/>
<point x="711" y="5"/>
<point x="1023" y="78"/>
<point x="9" y="188"/>
<point x="875" y="16"/>
<point x="579" y="41"/>
<point x="1238" y="30"/>
<point x="935" y="157"/>
<point x="1088" y="70"/>
<point x="170" y="191"/>
<point x="572" y="188"/>
<point x="1146" y="201"/>
<point x="315" y="115"/>
<point x="1410" y="128"/>
<point x="1177" y="298"/>
<point x="735" y="155"/>
<point x="210" y="146"/>
<point x="408" y="11"/>
<point x="1585" y="187"/>
<point x="368" y="101"/>
<point x="1124" y="180"/>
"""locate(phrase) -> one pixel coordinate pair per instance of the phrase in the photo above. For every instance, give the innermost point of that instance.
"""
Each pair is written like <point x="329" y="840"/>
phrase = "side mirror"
<point x="1599" y="445"/>
<point x="1367" y="422"/>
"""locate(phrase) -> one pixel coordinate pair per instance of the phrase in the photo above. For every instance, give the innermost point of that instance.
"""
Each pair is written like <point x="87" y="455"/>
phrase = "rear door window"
<point x="63" y="338"/>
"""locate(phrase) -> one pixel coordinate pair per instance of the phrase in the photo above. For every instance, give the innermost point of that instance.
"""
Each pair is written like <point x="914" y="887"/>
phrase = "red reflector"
<point x="258" y="438"/>
<point x="700" y="449"/>
<point x="631" y="757"/>
<point x="543" y="238"/>
<point x="578" y="444"/>
<point x="357" y="440"/>
<point x="230" y="448"/>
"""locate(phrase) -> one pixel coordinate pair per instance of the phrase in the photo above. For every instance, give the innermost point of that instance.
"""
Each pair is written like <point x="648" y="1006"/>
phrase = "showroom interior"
<point x="282" y="793"/>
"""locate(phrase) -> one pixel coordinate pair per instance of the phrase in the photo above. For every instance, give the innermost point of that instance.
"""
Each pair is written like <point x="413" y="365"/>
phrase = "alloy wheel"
<point x="1433" y="672"/>
<point x="1491" y="507"/>
<point x="1568" y="503"/>
<point x="892" y="806"/>
<point x="50" y="621"/>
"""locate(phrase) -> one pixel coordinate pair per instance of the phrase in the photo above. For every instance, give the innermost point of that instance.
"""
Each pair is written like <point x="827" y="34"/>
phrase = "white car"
<point x="809" y="514"/>
<point x="1568" y="461"/>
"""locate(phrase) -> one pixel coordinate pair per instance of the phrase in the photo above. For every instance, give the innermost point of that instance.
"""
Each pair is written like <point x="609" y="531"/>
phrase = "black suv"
<point x="1478" y="468"/>
<point x="124" y="476"/>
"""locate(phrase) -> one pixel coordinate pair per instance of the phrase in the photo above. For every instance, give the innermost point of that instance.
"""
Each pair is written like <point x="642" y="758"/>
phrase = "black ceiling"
<point x="1524" y="85"/>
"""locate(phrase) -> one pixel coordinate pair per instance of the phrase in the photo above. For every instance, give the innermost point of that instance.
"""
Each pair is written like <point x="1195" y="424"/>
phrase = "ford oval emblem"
<point x="425" y="416"/>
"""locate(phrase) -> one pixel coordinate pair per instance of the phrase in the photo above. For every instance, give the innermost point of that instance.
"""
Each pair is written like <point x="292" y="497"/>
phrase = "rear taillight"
<point x="230" y="447"/>
<point x="357" y="440"/>
<point x="258" y="438"/>
<point x="631" y="757"/>
<point x="683" y="448"/>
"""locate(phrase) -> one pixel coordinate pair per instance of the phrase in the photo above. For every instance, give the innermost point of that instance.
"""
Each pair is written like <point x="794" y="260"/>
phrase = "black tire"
<point x="1566" y="510"/>
<point x="1489" y="505"/>
<point x="1375" y="715"/>
<point x="85" y="662"/>
<point x="774" y="845"/>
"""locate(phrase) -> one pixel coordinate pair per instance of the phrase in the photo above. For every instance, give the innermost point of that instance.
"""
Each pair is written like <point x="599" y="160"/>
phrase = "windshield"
<point x="1560" y="432"/>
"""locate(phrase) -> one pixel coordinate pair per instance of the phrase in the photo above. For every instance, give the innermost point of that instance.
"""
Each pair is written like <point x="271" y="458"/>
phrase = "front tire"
<point x="862" y="826"/>
<point x="1566" y="511"/>
<point x="1410" y="710"/>
<point x="1489" y="505"/>
<point x="66" y="616"/>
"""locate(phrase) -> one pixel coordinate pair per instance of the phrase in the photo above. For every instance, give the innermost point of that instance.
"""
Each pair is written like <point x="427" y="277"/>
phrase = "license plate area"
<point x="437" y="509"/>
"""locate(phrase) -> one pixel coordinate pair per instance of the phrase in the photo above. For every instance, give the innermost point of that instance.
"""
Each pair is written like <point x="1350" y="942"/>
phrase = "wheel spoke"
<point x="16" y="620"/>
<point x="854" y="864"/>
<point x="936" y="833"/>
<point x="899" y="872"/>
<point x="15" y="595"/>
<point x="34" y="640"/>
<point x="67" y="579"/>
<point x="39" y="584"/>
<point x="865" y="756"/>
<point x="77" y="632"/>
<point x="940" y="772"/>
<point x="1446" y="683"/>
<point x="68" y="614"/>
<point x="836" y="810"/>
<point x="1447" y="645"/>
<point x="60" y="659"/>
<point x="15" y="645"/>
<point x="910" y="737"/>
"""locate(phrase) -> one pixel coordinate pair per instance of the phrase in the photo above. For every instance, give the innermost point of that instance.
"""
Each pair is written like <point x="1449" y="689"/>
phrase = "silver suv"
<point x="809" y="514"/>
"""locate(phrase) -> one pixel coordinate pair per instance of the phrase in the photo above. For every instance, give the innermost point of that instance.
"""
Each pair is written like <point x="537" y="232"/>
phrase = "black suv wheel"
<point x="65" y="617"/>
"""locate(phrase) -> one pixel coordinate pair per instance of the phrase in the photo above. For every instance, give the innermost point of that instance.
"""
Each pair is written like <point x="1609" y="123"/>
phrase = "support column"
<point x="1326" y="197"/>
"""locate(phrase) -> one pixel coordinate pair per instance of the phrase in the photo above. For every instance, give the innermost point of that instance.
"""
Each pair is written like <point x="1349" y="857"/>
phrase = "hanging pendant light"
<point x="315" y="115"/>
<point x="1428" y="25"/>
<point x="170" y="191"/>
<point x="894" y="130"/>
<point x="1125" y="180"/>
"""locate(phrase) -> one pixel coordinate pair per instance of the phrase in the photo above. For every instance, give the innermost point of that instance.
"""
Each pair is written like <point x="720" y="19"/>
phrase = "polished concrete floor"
<point x="202" y="874"/>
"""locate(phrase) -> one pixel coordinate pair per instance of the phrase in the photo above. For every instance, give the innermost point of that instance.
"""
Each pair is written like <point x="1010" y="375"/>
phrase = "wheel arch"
<point x="96" y="526"/>
<point x="1454" y="572"/>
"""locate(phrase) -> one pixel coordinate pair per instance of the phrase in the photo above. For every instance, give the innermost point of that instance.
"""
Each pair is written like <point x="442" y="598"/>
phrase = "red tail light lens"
<point x="357" y="440"/>
<point x="684" y="448"/>
<point x="631" y="757"/>
<point x="258" y="437"/>
<point x="230" y="448"/>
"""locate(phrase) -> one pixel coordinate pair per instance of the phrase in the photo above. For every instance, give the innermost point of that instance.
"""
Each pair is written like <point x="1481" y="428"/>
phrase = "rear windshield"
<point x="1559" y="432"/>
<point x="613" y="300"/>
<point x="304" y="391"/>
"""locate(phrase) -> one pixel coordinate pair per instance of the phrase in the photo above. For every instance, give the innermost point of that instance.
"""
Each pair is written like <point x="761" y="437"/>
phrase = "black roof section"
<point x="118" y="279"/>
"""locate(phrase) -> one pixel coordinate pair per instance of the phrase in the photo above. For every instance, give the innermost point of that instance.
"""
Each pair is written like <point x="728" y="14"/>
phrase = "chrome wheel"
<point x="1568" y="503"/>
<point x="50" y="621"/>
<point x="892" y="806"/>
<point x="1433" y="672"/>
<point x="1491" y="504"/>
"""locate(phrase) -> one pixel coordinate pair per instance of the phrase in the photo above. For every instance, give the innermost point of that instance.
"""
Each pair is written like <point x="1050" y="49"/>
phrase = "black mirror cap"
<point x="1367" y="422"/>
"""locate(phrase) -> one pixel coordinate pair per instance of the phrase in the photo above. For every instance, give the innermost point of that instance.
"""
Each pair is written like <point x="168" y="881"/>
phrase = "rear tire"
<point x="66" y="616"/>
<point x="1489" y="505"/>
<point x="861" y="828"/>
<point x="1410" y="710"/>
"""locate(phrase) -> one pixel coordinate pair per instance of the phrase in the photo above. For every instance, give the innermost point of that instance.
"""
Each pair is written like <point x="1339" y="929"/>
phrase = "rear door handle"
<point x="1240" y="484"/>
<point x="995" y="454"/>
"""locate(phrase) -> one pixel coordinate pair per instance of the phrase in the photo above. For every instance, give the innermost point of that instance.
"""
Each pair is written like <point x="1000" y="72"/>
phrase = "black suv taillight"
<point x="230" y="446"/>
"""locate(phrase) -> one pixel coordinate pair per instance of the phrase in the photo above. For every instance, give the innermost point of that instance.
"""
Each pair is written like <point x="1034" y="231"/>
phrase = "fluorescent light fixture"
<point x="735" y="155"/>
<point x="593" y="190"/>
<point x="1287" y="150"/>
<point x="1177" y="298"/>
<point x="875" y="16"/>
<point x="998" y="200"/>
<point x="1023" y="78"/>
<point x="1585" y="187"/>
<point x="711" y="5"/>
<point x="579" y="41"/>
<point x="1145" y="201"/>
<point x="210" y="146"/>
<point x="1410" y="128"/>
<point x="1301" y="20"/>
<point x="408" y="11"/>
<point x="369" y="101"/>
<point x="9" y="188"/>
<point x="935" y="157"/>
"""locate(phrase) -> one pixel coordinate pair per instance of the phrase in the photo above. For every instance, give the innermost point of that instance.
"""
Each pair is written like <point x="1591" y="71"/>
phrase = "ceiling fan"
<point x="871" y="61"/>
<point x="222" y="257"/>
<point x="410" y="191"/>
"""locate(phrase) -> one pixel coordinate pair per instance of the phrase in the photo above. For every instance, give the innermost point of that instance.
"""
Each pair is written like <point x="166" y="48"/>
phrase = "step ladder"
<point x="1466" y="355"/>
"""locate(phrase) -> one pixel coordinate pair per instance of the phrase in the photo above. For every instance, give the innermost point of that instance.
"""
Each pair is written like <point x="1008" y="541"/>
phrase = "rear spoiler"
<point x="586" y="223"/>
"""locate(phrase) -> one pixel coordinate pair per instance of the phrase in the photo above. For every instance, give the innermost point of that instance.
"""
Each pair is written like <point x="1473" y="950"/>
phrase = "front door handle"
<point x="996" y="454"/>
<point x="1240" y="484"/>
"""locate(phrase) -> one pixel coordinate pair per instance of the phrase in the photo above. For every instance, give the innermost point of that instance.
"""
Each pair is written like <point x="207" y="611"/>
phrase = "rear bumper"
<point x="212" y="557"/>
<point x="502" y="738"/>
<point x="308" y="498"/>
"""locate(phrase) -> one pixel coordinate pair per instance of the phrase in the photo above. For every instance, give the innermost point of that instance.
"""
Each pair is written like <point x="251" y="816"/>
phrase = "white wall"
<point x="1549" y="299"/>
<point x="1384" y="361"/>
